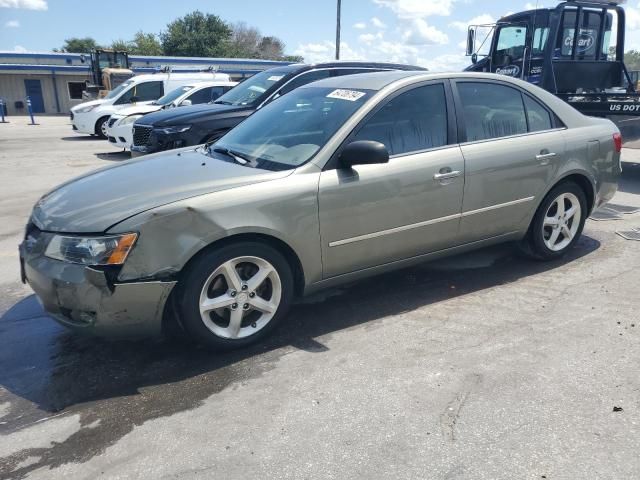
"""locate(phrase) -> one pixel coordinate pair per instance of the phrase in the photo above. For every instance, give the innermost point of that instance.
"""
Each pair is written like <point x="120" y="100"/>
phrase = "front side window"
<point x="201" y="96"/>
<point x="303" y="79"/>
<point x="289" y="131"/>
<point x="411" y="122"/>
<point x="173" y="94"/>
<point x="148" y="91"/>
<point x="118" y="90"/>
<point x="491" y="110"/>
<point x="540" y="37"/>
<point x="254" y="89"/>
<point x="511" y="43"/>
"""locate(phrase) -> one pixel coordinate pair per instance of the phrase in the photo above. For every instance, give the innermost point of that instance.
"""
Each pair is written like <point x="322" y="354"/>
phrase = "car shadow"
<point x="629" y="181"/>
<point x="114" y="156"/>
<point x="81" y="138"/>
<point x="118" y="385"/>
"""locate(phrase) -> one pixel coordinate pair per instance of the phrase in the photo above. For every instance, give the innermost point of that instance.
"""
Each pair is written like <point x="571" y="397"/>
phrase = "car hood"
<point x="97" y="201"/>
<point x="181" y="115"/>
<point x="87" y="104"/>
<point x="138" y="110"/>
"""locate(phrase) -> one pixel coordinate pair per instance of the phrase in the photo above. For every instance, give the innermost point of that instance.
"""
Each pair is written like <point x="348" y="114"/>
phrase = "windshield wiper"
<point x="223" y="102"/>
<point x="238" y="157"/>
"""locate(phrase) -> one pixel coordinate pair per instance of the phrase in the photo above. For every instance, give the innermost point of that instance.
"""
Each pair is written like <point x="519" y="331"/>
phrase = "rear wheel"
<point x="101" y="127"/>
<point x="558" y="223"/>
<point x="236" y="295"/>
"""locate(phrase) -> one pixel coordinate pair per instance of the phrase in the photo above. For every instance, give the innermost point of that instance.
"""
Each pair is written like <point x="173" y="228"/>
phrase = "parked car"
<point x="204" y="123"/>
<point x="120" y="125"/>
<point x="91" y="117"/>
<point x="339" y="180"/>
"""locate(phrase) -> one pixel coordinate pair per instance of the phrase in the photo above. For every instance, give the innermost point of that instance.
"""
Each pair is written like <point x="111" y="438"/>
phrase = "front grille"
<point x="112" y="121"/>
<point x="141" y="135"/>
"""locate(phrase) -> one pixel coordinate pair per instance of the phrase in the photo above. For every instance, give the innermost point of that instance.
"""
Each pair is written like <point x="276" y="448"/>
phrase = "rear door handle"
<point x="545" y="158"/>
<point x="447" y="175"/>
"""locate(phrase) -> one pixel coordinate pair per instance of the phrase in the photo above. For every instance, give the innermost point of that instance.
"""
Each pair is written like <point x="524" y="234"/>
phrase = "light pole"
<point x="338" y="31"/>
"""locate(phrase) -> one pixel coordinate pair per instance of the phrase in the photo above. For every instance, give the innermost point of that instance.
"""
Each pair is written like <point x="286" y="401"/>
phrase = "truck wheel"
<point x="558" y="223"/>
<point x="101" y="127"/>
<point x="235" y="295"/>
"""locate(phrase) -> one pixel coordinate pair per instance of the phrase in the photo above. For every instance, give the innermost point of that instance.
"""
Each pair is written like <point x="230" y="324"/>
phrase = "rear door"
<point x="375" y="214"/>
<point x="512" y="148"/>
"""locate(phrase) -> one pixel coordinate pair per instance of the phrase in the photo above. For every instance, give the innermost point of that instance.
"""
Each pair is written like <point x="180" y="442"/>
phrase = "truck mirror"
<point x="474" y="58"/>
<point x="471" y="41"/>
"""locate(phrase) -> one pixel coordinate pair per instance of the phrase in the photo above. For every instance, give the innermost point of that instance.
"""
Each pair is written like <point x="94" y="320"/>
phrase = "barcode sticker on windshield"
<point x="351" y="95"/>
<point x="275" y="78"/>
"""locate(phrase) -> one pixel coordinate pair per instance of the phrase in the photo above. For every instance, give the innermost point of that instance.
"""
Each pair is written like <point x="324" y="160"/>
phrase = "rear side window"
<point x="491" y="111"/>
<point x="413" y="121"/>
<point x="539" y="117"/>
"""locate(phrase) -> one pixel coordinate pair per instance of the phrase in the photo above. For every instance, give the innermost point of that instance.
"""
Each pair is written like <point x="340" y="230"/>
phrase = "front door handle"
<point x="447" y="175"/>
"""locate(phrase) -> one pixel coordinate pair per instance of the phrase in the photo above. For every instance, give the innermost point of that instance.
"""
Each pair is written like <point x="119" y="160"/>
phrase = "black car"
<point x="186" y="126"/>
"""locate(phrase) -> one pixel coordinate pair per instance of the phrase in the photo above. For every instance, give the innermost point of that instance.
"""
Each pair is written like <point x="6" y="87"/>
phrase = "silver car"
<point x="342" y="179"/>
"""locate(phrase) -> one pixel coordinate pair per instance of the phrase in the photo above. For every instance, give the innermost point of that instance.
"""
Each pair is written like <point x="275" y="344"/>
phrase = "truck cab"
<point x="575" y="48"/>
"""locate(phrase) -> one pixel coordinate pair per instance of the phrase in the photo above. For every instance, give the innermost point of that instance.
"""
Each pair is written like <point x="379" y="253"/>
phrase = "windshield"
<point x="118" y="90"/>
<point x="289" y="131"/>
<point x="172" y="95"/>
<point x="251" y="90"/>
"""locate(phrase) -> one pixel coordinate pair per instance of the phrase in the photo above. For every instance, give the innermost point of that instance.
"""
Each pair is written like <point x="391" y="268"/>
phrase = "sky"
<point x="429" y="33"/>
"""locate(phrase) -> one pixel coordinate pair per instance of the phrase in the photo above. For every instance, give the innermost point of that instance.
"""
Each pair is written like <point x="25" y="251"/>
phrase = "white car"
<point x="91" y="117"/>
<point x="120" y="125"/>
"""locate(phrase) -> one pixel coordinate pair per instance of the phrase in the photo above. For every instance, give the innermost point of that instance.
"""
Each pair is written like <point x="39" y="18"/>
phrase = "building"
<point x="55" y="81"/>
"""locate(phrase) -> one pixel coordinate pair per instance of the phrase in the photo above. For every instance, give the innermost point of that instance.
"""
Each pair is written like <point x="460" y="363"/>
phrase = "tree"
<point x="244" y="41"/>
<point x="122" y="45"/>
<point x="79" y="45"/>
<point x="632" y="60"/>
<point x="147" y="44"/>
<point x="196" y="35"/>
<point x="293" y="58"/>
<point x="271" y="48"/>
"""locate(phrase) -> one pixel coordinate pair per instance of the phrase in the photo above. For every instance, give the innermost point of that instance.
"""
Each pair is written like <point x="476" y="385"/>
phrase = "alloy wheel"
<point x="561" y="222"/>
<point x="240" y="297"/>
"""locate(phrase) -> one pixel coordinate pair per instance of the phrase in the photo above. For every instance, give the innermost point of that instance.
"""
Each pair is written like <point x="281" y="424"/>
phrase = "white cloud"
<point x="417" y="8"/>
<point x="360" y="26"/>
<point x="419" y="32"/>
<point x="12" y="24"/>
<point x="484" y="19"/>
<point x="19" y="49"/>
<point x="376" y="22"/>
<point x="369" y="37"/>
<point x="326" y="51"/>
<point x="445" y="63"/>
<point x="26" y="4"/>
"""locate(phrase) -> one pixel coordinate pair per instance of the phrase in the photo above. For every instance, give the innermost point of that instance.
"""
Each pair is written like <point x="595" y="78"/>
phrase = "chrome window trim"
<point x="426" y="223"/>
<point x="528" y="134"/>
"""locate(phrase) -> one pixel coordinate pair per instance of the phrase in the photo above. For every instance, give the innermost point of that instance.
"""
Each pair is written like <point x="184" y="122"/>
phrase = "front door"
<point x="513" y="148"/>
<point x="375" y="214"/>
<point x="34" y="92"/>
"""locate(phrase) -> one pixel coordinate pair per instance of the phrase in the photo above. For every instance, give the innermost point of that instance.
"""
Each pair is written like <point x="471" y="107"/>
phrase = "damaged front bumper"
<point x="82" y="298"/>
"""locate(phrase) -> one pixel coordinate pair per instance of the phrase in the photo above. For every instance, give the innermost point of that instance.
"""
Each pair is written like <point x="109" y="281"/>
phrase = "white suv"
<point x="120" y="125"/>
<point x="91" y="117"/>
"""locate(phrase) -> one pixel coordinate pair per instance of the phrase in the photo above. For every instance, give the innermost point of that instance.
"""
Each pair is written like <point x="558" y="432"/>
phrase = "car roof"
<point x="302" y="67"/>
<point x="213" y="83"/>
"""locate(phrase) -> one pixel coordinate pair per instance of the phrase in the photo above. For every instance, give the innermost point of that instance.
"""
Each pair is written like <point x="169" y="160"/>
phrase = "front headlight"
<point x="174" y="129"/>
<point x="86" y="109"/>
<point x="130" y="119"/>
<point x="94" y="251"/>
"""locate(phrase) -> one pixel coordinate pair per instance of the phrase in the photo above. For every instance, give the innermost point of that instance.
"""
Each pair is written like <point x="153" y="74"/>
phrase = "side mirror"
<point x="134" y="99"/>
<point x="363" y="152"/>
<point x="185" y="103"/>
<point x="474" y="58"/>
<point x="471" y="41"/>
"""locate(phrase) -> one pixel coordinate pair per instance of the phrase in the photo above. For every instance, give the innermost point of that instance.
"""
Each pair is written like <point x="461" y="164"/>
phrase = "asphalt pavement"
<point x="481" y="366"/>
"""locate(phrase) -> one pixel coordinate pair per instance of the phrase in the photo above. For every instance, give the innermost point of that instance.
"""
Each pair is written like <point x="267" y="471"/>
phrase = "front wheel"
<point x="559" y="222"/>
<point x="236" y="295"/>
<point x="101" y="127"/>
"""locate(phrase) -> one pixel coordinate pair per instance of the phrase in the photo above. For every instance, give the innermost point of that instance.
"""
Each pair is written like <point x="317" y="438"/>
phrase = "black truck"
<point x="187" y="126"/>
<point x="575" y="51"/>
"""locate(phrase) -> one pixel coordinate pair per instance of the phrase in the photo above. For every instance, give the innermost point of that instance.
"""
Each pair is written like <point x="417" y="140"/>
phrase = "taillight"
<point x="617" y="142"/>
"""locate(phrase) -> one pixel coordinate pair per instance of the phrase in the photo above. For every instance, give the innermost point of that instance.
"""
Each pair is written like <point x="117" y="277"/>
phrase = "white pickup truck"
<point x="120" y="124"/>
<point x="91" y="117"/>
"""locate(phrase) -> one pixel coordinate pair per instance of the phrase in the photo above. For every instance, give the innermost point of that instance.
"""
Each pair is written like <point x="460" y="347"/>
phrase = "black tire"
<point x="534" y="244"/>
<point x="198" y="275"/>
<point x="99" y="126"/>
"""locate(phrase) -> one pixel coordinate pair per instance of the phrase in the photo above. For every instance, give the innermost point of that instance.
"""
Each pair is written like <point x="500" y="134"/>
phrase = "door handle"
<point x="545" y="158"/>
<point x="447" y="175"/>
